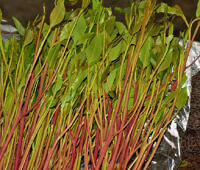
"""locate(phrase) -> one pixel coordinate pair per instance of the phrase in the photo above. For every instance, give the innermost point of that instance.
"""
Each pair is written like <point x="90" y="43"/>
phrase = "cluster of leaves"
<point x="86" y="88"/>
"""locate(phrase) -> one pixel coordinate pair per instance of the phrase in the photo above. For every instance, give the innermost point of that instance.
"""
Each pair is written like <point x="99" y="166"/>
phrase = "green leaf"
<point x="19" y="26"/>
<point x="53" y="54"/>
<point x="22" y="83"/>
<point x="95" y="4"/>
<point x="169" y="98"/>
<point x="118" y="9"/>
<point x="58" y="13"/>
<point x="183" y="79"/>
<point x="94" y="49"/>
<point x="45" y="29"/>
<point x="145" y="55"/>
<point x="79" y="79"/>
<point x="167" y="61"/>
<point x="141" y="9"/>
<point x="111" y="79"/>
<point x="176" y="10"/>
<point x="169" y="39"/>
<point x="110" y="25"/>
<point x="106" y="73"/>
<point x="182" y="98"/>
<point x="72" y="2"/>
<point x="58" y="84"/>
<point x="112" y="94"/>
<point x="156" y="30"/>
<point x="163" y="8"/>
<point x="54" y="102"/>
<point x="130" y="103"/>
<point x="124" y="10"/>
<point x="160" y="115"/>
<point x="8" y="99"/>
<point x="66" y="31"/>
<point x="79" y="29"/>
<point x="198" y="10"/>
<point x="28" y="54"/>
<point x="117" y="50"/>
<point x="66" y="98"/>
<point x="85" y="37"/>
<point x="171" y="29"/>
<point x="28" y="37"/>
<point x="85" y="3"/>
<point x="37" y="68"/>
<point x="121" y="28"/>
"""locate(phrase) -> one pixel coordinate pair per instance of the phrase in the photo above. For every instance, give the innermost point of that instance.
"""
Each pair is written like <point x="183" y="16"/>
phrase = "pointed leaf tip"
<point x="58" y="13"/>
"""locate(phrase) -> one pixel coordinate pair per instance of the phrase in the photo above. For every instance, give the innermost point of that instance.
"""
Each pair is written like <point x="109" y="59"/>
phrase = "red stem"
<point x="17" y="120"/>
<point x="22" y="125"/>
<point x="55" y="116"/>
<point x="74" y="154"/>
<point x="42" y="79"/>
<point x="41" y="96"/>
<point x="86" y="162"/>
<point x="110" y="107"/>
<point x="3" y="149"/>
<point x="82" y="137"/>
<point x="18" y="150"/>
<point x="53" y="147"/>
<point x="192" y="63"/>
<point x="117" y="110"/>
<point x="121" y="124"/>
<point x="126" y="145"/>
<point x="75" y="141"/>
<point x="43" y="74"/>
<point x="19" y="116"/>
<point x="45" y="151"/>
<point x="150" y="146"/>
<point x="96" y="148"/>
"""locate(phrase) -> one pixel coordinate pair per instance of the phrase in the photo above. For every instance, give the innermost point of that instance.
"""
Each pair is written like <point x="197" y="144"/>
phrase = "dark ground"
<point x="190" y="140"/>
<point x="26" y="10"/>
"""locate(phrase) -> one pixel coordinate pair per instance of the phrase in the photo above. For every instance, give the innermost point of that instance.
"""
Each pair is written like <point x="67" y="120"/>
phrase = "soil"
<point x="190" y="140"/>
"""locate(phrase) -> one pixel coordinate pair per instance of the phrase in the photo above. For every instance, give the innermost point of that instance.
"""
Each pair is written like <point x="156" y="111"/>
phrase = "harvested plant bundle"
<point x="86" y="88"/>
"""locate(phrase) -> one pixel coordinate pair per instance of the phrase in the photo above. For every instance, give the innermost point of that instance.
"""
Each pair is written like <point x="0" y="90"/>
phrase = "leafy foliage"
<point x="84" y="85"/>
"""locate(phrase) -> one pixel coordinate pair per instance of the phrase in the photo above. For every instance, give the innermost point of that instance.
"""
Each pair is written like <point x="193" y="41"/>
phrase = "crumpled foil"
<point x="168" y="155"/>
<point x="7" y="31"/>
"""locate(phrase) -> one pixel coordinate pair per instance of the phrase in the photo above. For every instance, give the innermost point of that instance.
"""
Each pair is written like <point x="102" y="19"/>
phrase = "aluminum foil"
<point x="168" y="155"/>
<point x="7" y="31"/>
